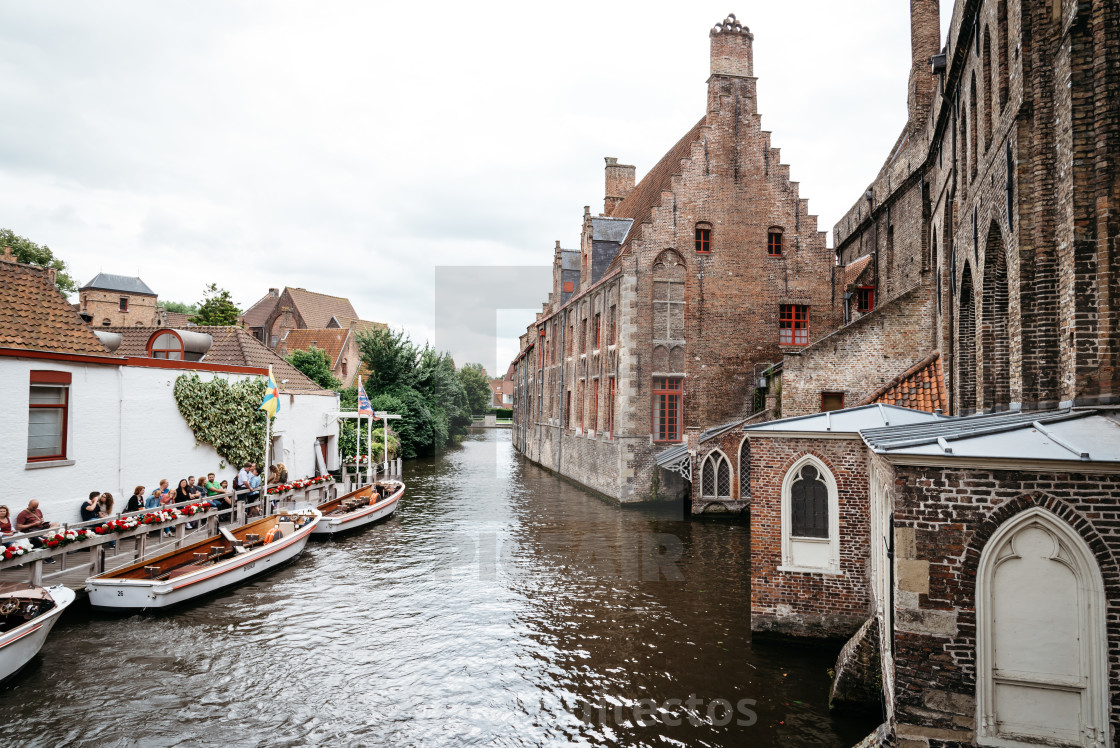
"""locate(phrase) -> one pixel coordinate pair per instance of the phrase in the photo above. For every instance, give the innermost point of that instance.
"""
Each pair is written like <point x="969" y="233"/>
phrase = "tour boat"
<point x="27" y="615"/>
<point x="212" y="564"/>
<point x="359" y="508"/>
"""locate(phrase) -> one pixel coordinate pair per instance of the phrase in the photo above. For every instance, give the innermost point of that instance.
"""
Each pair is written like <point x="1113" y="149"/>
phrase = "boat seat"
<point x="287" y="528"/>
<point x="233" y="540"/>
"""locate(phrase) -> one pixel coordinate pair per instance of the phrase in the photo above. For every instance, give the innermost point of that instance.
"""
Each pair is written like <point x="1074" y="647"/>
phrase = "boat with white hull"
<point x="359" y="508"/>
<point x="220" y="561"/>
<point x="27" y="615"/>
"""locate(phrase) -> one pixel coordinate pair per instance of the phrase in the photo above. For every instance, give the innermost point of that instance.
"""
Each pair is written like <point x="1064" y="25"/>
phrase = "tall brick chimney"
<point x="732" y="54"/>
<point x="620" y="180"/>
<point x="925" y="42"/>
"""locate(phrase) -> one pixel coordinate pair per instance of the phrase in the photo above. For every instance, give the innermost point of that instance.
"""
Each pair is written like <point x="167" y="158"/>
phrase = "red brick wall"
<point x="807" y="604"/>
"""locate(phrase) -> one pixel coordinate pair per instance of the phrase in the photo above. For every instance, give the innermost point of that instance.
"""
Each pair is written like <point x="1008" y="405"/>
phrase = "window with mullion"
<point x="668" y="394"/>
<point x="47" y="421"/>
<point x="793" y="324"/>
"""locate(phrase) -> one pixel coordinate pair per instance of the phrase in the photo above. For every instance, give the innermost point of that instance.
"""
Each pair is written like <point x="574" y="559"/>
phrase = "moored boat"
<point x="359" y="508"/>
<point x="27" y="615"/>
<point x="209" y="565"/>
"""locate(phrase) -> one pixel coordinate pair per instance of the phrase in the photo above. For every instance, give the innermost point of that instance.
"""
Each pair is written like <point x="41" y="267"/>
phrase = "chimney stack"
<point x="731" y="49"/>
<point x="619" y="183"/>
<point x="925" y="42"/>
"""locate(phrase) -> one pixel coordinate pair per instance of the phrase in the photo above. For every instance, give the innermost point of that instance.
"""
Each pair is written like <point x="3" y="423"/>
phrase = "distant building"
<point x="501" y="392"/>
<point x="276" y="313"/>
<point x="339" y="344"/>
<point x="118" y="301"/>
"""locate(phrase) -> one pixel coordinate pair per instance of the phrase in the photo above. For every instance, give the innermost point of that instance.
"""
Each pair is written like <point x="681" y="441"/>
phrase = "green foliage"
<point x="179" y="306"/>
<point x="30" y="253"/>
<point x="216" y="308"/>
<point x="477" y="386"/>
<point x="224" y="416"/>
<point x="315" y="364"/>
<point x="421" y="385"/>
<point x="353" y="442"/>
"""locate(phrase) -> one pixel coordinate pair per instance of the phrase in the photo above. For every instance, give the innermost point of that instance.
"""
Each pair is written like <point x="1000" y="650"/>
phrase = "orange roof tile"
<point x="235" y="346"/>
<point x="921" y="387"/>
<point x="258" y="313"/>
<point x="318" y="308"/>
<point x="331" y="341"/>
<point x="34" y="315"/>
<point x="853" y="270"/>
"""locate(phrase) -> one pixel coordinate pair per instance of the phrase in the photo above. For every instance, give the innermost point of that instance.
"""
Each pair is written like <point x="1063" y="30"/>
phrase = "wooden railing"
<point x="145" y="541"/>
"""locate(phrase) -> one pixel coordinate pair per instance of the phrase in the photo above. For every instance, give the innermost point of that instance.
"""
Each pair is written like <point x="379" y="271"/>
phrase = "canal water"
<point x="502" y="606"/>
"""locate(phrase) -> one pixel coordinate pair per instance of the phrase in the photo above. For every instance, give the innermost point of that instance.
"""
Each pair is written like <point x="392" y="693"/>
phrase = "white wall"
<point x="125" y="429"/>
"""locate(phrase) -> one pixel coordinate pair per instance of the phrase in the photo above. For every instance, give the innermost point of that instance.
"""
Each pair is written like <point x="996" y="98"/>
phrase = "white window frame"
<point x="790" y="544"/>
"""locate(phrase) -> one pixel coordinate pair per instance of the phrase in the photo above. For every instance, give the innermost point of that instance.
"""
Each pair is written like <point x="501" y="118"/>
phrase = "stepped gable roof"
<point x="846" y="420"/>
<point x="34" y="315"/>
<point x="1088" y="436"/>
<point x="921" y="387"/>
<point x="318" y="308"/>
<point x="234" y="346"/>
<point x="853" y="270"/>
<point x="646" y="195"/>
<point x="122" y="283"/>
<point x="330" y="340"/>
<point x="258" y="313"/>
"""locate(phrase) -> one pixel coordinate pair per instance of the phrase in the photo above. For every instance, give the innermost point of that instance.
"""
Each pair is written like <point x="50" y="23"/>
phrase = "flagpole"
<point x="369" y="449"/>
<point x="267" y="444"/>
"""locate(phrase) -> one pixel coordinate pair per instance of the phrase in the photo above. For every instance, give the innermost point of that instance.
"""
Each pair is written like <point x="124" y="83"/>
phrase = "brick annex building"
<point x="645" y="336"/>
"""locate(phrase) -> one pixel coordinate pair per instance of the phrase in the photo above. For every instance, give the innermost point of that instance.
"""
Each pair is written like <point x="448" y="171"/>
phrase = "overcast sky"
<point x="351" y="148"/>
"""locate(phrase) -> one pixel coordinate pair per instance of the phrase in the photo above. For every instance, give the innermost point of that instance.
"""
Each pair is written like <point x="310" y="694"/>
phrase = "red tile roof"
<point x="646" y="195"/>
<point x="257" y="314"/>
<point x="921" y="387"/>
<point x="853" y="270"/>
<point x="331" y="341"/>
<point x="235" y="346"/>
<point x="34" y="315"/>
<point x="318" y="308"/>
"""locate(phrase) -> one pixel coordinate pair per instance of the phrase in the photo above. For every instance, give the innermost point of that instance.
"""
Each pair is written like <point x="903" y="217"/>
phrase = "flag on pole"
<point x="364" y="408"/>
<point x="271" y="402"/>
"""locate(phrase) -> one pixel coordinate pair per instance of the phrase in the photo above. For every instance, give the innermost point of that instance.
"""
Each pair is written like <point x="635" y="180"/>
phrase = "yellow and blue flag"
<point x="271" y="402"/>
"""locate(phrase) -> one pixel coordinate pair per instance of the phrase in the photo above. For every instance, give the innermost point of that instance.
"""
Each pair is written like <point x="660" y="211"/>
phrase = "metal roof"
<point x="672" y="455"/>
<point x="1082" y="435"/>
<point x="122" y="283"/>
<point x="610" y="229"/>
<point x="717" y="430"/>
<point x="850" y="420"/>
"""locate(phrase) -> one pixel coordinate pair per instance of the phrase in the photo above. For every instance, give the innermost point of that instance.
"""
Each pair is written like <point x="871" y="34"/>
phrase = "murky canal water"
<point x="501" y="606"/>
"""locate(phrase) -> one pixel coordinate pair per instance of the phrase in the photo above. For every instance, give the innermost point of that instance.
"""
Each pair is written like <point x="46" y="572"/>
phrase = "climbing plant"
<point x="224" y="415"/>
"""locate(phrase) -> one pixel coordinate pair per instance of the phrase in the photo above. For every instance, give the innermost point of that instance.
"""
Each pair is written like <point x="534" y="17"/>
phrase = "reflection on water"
<point x="501" y="606"/>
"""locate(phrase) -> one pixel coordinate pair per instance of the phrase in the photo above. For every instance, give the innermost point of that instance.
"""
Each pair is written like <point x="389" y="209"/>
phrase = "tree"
<point x="477" y="386"/>
<point x="179" y="306"/>
<point x="30" y="253"/>
<point x="216" y="308"/>
<point x="315" y="364"/>
<point x="391" y="357"/>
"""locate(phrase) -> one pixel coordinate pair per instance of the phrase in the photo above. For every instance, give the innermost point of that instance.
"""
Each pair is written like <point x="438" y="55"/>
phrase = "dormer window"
<point x="703" y="238"/>
<point x="166" y="345"/>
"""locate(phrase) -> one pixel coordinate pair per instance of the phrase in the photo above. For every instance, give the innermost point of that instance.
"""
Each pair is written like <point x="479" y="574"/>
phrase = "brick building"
<point x="689" y="281"/>
<point x="278" y="312"/>
<point x="339" y="344"/>
<point x="116" y="300"/>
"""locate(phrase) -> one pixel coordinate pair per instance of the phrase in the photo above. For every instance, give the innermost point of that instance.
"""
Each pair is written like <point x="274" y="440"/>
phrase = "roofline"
<point x="161" y="363"/>
<point x="1032" y="464"/>
<point x="852" y="409"/>
<point x="849" y="435"/>
<point x="81" y="358"/>
<point x="117" y="290"/>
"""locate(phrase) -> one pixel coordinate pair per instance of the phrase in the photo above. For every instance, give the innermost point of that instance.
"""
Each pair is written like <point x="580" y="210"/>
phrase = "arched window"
<point x="1002" y="45"/>
<point x="716" y="476"/>
<point x="810" y="517"/>
<point x="166" y="344"/>
<point x="973" y="129"/>
<point x="1041" y="655"/>
<point x="745" y="469"/>
<point x="987" y="75"/>
<point x="966" y="345"/>
<point x="996" y="362"/>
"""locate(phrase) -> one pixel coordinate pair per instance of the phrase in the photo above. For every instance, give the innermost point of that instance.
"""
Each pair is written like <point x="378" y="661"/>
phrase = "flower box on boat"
<point x="27" y="615"/>
<point x="205" y="566"/>
<point x="359" y="508"/>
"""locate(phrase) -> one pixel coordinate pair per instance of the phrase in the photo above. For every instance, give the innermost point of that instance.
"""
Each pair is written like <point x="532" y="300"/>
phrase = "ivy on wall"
<point x="224" y="415"/>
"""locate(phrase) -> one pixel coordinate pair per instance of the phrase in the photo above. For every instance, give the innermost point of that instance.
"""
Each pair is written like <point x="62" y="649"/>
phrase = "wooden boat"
<point x="27" y="615"/>
<point x="225" y="559"/>
<point x="359" y="508"/>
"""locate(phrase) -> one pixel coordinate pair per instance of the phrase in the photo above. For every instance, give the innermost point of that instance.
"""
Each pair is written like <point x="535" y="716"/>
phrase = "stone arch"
<point x="669" y="261"/>
<point x="973" y="128"/>
<point x="661" y="359"/>
<point x="676" y="359"/>
<point x="715" y="476"/>
<point x="966" y="344"/>
<point x="745" y="468"/>
<point x="1002" y="43"/>
<point x="986" y="74"/>
<point x="810" y="552"/>
<point x="1040" y="607"/>
<point x="995" y="329"/>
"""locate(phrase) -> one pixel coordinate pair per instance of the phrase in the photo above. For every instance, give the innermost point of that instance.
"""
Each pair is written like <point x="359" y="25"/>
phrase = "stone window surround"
<point x="833" y="540"/>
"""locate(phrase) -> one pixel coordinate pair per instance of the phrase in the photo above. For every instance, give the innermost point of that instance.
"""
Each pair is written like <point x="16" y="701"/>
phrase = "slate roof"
<point x="233" y="346"/>
<point x="122" y="283"/>
<point x="646" y="195"/>
<point x="672" y="455"/>
<point x="318" y="308"/>
<point x="330" y="340"/>
<point x="610" y="229"/>
<point x="1088" y="435"/>
<point x="34" y="315"/>
<point x="921" y="387"/>
<point x="258" y="313"/>
<point x="569" y="259"/>
<point x="848" y="420"/>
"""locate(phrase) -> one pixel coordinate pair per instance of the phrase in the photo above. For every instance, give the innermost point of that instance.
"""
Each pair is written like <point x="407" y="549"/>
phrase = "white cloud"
<point x="353" y="147"/>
